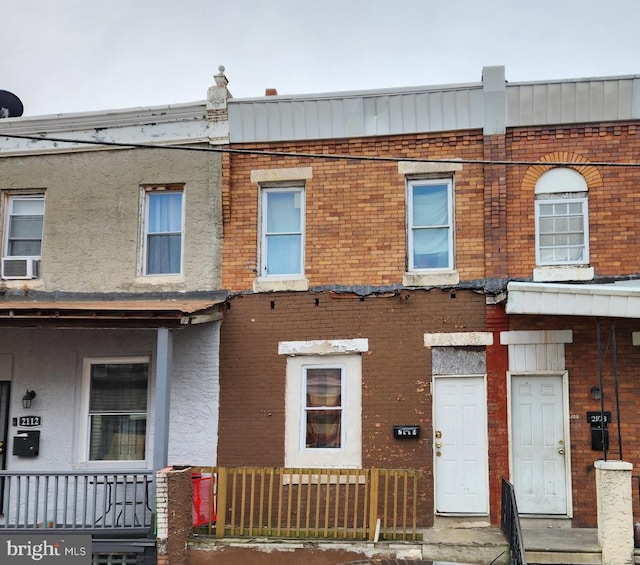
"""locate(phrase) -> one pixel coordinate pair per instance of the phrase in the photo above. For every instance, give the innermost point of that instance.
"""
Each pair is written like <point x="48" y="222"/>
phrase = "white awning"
<point x="615" y="300"/>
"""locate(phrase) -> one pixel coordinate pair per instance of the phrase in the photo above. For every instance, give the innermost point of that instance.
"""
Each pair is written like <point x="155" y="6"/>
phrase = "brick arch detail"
<point x="570" y="160"/>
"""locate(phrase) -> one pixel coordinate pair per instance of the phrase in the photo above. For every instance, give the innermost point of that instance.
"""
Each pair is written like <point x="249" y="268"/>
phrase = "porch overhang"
<point x="95" y="311"/>
<point x="613" y="300"/>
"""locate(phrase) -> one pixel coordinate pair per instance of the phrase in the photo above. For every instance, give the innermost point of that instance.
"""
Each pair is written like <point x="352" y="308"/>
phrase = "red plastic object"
<point x="203" y="511"/>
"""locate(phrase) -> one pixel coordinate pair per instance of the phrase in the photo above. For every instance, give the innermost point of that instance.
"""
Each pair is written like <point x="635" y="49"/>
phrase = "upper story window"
<point x="430" y="224"/>
<point x="282" y="232"/>
<point x="116" y="392"/>
<point x="23" y="236"/>
<point x="164" y="220"/>
<point x="562" y="218"/>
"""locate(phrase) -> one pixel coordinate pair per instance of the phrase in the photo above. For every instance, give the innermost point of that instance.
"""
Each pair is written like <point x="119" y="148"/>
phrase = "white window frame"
<point x="11" y="199"/>
<point x="569" y="198"/>
<point x="449" y="182"/>
<point x="84" y="428"/>
<point x="263" y="245"/>
<point x="345" y="354"/>
<point x="147" y="193"/>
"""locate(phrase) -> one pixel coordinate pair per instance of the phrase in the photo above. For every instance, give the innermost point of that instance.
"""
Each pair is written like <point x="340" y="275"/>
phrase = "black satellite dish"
<point x="10" y="105"/>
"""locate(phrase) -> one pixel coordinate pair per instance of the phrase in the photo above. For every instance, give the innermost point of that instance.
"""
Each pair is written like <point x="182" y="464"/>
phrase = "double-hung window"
<point x="24" y="226"/>
<point x="282" y="237"/>
<point x="117" y="391"/>
<point x="23" y="236"/>
<point x="562" y="219"/>
<point x="323" y="421"/>
<point x="562" y="230"/>
<point x="322" y="410"/>
<point x="430" y="225"/>
<point x="164" y="220"/>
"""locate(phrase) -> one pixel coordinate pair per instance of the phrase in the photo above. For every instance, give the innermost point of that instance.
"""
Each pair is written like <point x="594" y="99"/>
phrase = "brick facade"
<point x="355" y="259"/>
<point x="396" y="369"/>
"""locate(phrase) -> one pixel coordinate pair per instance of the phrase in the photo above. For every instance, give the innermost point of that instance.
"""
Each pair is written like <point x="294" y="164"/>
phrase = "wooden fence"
<point x="356" y="504"/>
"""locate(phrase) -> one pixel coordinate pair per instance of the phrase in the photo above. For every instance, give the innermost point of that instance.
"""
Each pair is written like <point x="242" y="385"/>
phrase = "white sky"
<point x="64" y="56"/>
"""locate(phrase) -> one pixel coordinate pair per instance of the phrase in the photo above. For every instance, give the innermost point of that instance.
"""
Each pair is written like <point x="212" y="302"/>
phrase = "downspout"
<point x="602" y="424"/>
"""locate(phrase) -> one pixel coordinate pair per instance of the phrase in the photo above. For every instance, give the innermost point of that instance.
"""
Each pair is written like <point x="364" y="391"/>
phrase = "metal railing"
<point x="510" y="524"/>
<point x="363" y="504"/>
<point x="78" y="501"/>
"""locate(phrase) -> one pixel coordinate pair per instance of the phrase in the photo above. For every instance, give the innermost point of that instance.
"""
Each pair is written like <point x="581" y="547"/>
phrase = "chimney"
<point x="271" y="92"/>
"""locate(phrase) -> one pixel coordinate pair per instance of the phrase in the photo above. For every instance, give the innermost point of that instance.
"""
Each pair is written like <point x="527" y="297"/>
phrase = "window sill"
<point x="557" y="273"/>
<point x="271" y="284"/>
<point x="434" y="278"/>
<point x="159" y="279"/>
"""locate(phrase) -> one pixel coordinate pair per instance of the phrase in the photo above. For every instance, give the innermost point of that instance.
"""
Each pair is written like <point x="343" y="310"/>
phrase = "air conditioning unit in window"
<point x="20" y="268"/>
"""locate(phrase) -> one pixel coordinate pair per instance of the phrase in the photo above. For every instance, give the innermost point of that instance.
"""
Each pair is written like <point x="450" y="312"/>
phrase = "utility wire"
<point x="330" y="156"/>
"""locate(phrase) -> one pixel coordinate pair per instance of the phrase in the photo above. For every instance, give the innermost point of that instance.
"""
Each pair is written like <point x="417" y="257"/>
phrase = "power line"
<point x="329" y="156"/>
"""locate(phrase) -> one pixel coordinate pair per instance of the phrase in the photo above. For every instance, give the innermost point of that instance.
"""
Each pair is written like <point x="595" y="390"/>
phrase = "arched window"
<point x="562" y="218"/>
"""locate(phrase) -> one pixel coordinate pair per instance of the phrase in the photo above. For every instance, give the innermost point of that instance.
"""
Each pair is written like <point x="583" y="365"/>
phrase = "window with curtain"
<point x="323" y="408"/>
<point x="163" y="237"/>
<point x="282" y="231"/>
<point x="118" y="411"/>
<point x="430" y="225"/>
<point x="24" y="226"/>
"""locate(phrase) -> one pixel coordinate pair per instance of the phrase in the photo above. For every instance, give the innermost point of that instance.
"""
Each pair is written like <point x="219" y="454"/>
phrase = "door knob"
<point x="438" y="444"/>
<point x="561" y="451"/>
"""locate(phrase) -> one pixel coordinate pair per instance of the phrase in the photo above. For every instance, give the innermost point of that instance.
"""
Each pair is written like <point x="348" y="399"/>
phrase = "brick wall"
<point x="614" y="201"/>
<point x="396" y="371"/>
<point x="356" y="212"/>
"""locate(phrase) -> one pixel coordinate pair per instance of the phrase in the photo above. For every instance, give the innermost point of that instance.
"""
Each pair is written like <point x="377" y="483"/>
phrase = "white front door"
<point x="460" y="445"/>
<point x="539" y="444"/>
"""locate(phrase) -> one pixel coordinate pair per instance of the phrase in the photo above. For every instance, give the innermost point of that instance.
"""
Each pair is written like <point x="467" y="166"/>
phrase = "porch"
<point x="103" y="504"/>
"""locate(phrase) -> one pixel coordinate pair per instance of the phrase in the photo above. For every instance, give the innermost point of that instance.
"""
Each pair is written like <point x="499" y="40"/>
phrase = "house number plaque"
<point x="30" y="421"/>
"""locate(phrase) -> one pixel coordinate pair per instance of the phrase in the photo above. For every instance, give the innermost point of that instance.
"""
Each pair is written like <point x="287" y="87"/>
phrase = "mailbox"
<point x="26" y="443"/>
<point x="406" y="432"/>
<point x="599" y="430"/>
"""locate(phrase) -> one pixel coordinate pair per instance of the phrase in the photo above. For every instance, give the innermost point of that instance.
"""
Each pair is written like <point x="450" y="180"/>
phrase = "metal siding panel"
<point x="285" y="111"/>
<point x="625" y="95"/>
<point x="299" y="121"/>
<point x="539" y="110"/>
<point x="354" y="116"/>
<point x="260" y="123"/>
<point x="273" y="120"/>
<point x="409" y="112"/>
<point x="476" y="109"/>
<point x="324" y="119"/>
<point x="610" y="92"/>
<point x="396" y="117"/>
<point x="311" y="119"/>
<point x="554" y="94"/>
<point x="337" y="117"/>
<point x="463" y="109"/>
<point x="382" y="115"/>
<point x="568" y="102"/>
<point x="582" y="101"/>
<point x="435" y="111"/>
<point x="449" y="117"/>
<point x="635" y="99"/>
<point x="596" y="100"/>
<point x="370" y="121"/>
<point x="423" y="119"/>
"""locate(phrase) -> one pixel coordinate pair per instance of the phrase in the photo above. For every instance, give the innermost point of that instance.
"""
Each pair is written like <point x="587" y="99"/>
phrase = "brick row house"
<point x="459" y="260"/>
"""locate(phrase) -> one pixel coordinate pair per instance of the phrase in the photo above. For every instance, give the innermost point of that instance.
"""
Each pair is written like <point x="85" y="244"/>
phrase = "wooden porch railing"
<point x="363" y="504"/>
<point x="78" y="501"/>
